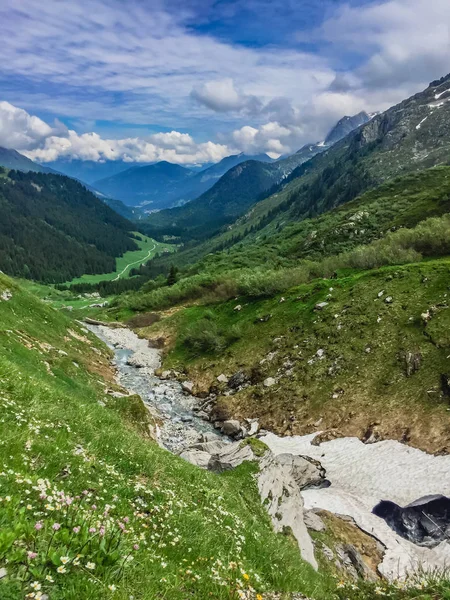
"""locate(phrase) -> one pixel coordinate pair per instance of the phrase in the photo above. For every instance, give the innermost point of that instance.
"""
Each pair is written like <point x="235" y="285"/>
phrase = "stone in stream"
<point x="187" y="386"/>
<point x="232" y="427"/>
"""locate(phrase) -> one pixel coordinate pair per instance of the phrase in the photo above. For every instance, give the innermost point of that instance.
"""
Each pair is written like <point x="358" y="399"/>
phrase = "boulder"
<point x="283" y="501"/>
<point x="231" y="427"/>
<point x="253" y="426"/>
<point x="6" y="295"/>
<point x="313" y="521"/>
<point x="187" y="386"/>
<point x="212" y="447"/>
<point x="321" y="305"/>
<point x="222" y="378"/>
<point x="237" y="380"/>
<point x="425" y="522"/>
<point x="201" y="414"/>
<point x="269" y="382"/>
<point x="305" y="471"/>
<point x="229" y="457"/>
<point x="197" y="457"/>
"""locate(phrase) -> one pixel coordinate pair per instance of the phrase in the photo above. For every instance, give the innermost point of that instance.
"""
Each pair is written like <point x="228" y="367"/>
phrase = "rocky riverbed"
<point x="171" y="405"/>
<point x="361" y="475"/>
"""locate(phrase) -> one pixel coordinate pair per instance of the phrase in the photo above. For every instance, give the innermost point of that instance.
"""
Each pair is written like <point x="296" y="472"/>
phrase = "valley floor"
<point x="148" y="248"/>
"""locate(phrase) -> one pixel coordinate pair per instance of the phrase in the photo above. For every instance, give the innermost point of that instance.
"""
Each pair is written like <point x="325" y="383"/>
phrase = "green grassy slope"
<point x="343" y="367"/>
<point x="395" y="240"/>
<point x="132" y="259"/>
<point x="92" y="508"/>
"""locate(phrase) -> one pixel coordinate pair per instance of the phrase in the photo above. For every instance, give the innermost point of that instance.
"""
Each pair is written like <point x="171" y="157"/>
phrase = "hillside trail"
<point x="141" y="261"/>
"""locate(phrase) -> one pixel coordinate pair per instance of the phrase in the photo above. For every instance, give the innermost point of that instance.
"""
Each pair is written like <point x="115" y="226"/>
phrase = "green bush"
<point x="205" y="336"/>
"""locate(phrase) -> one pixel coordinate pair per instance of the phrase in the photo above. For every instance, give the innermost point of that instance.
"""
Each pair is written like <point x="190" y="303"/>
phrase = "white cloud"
<point x="41" y="142"/>
<point x="174" y="147"/>
<point x="139" y="64"/>
<point x="20" y="130"/>
<point x="222" y="96"/>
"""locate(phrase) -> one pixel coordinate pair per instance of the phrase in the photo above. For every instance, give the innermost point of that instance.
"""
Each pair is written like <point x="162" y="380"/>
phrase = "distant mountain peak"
<point x="345" y="125"/>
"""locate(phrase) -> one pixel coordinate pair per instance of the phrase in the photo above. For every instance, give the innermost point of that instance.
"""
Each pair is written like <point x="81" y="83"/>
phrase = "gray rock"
<point x="237" y="380"/>
<point x="187" y="386"/>
<point x="305" y="471"/>
<point x="229" y="457"/>
<point x="321" y="305"/>
<point x="327" y="552"/>
<point x="313" y="521"/>
<point x="237" y="308"/>
<point x="6" y="295"/>
<point x="196" y="457"/>
<point x="231" y="427"/>
<point x="413" y="361"/>
<point x="201" y="414"/>
<point x="269" y="382"/>
<point x="3" y="573"/>
<point x="357" y="562"/>
<point x="253" y="426"/>
<point x="389" y="300"/>
<point x="282" y="499"/>
<point x="212" y="447"/>
<point x="208" y="437"/>
<point x="222" y="378"/>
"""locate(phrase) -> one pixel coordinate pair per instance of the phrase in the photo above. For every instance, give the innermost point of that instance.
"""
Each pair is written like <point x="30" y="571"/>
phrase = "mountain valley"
<point x="240" y="388"/>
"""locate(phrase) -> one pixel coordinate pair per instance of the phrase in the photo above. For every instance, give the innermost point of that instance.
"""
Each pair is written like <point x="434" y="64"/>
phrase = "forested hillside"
<point x="52" y="229"/>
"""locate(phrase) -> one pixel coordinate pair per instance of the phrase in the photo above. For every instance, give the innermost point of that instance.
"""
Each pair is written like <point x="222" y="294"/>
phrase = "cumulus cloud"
<point x="147" y="63"/>
<point x="222" y="96"/>
<point x="44" y="143"/>
<point x="19" y="130"/>
<point x="173" y="147"/>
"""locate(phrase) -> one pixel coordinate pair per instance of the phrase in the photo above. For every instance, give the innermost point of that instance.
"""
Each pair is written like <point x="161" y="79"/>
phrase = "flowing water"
<point x="361" y="475"/>
<point x="178" y="424"/>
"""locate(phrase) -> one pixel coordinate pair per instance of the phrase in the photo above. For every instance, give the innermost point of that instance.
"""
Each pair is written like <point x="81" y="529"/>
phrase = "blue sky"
<point x="192" y="81"/>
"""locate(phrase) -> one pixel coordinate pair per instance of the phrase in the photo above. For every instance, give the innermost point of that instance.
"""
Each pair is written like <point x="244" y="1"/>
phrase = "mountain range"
<point x="408" y="137"/>
<point x="163" y="184"/>
<point x="238" y="189"/>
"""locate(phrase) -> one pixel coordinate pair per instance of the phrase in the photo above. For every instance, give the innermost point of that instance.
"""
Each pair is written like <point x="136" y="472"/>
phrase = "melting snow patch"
<point x="422" y="121"/>
<point x="437" y="96"/>
<point x="361" y="476"/>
